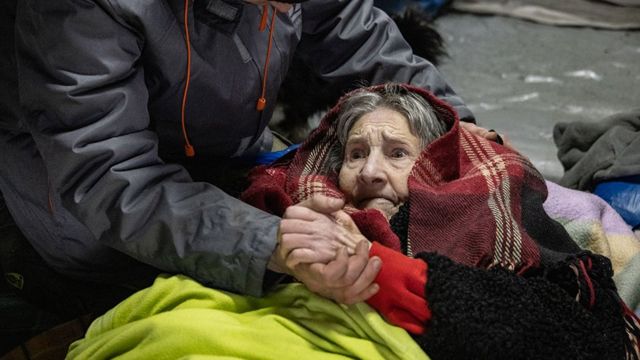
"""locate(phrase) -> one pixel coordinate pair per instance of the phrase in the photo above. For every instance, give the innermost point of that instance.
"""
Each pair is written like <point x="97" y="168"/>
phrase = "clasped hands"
<point x="321" y="246"/>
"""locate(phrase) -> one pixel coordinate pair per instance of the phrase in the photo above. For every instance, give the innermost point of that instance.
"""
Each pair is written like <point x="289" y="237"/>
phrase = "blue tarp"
<point x="623" y="195"/>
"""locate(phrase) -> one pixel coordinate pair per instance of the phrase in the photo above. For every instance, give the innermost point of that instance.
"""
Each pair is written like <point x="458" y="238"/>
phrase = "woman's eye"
<point x="399" y="153"/>
<point x="356" y="154"/>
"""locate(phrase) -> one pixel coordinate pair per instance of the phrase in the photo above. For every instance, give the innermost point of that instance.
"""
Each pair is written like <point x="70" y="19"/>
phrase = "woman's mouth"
<point x="386" y="206"/>
<point x="375" y="202"/>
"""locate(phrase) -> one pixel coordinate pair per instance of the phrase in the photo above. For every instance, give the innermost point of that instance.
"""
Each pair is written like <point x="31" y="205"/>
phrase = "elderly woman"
<point x="493" y="276"/>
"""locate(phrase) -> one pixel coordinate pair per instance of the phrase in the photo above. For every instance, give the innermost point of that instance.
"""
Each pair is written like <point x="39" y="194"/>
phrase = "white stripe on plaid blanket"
<point x="426" y="173"/>
<point x="508" y="244"/>
<point x="315" y="164"/>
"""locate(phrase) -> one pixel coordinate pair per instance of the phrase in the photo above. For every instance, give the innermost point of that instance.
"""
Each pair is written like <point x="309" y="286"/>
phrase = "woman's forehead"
<point x="381" y="120"/>
<point x="380" y="126"/>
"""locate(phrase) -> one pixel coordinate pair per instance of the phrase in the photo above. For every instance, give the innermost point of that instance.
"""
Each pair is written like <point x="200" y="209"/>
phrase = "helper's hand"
<point x="314" y="230"/>
<point x="347" y="279"/>
<point x="487" y="134"/>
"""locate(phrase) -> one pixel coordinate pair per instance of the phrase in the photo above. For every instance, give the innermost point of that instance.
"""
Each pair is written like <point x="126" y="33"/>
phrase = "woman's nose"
<point x="373" y="171"/>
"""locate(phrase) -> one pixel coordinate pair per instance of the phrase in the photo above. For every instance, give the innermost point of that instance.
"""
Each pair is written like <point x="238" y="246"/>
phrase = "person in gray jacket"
<point x="131" y="113"/>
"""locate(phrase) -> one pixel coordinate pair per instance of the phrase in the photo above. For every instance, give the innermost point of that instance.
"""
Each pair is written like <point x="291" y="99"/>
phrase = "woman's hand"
<point x="348" y="279"/>
<point x="314" y="230"/>
<point x="314" y="244"/>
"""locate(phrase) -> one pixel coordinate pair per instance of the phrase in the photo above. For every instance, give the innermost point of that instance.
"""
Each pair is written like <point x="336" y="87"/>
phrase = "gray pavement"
<point x="521" y="77"/>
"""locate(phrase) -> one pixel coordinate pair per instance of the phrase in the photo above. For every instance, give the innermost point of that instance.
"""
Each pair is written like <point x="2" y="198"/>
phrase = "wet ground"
<point x="521" y="77"/>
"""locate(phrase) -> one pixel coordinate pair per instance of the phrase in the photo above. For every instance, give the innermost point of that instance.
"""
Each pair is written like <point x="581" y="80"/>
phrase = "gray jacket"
<point x="91" y="164"/>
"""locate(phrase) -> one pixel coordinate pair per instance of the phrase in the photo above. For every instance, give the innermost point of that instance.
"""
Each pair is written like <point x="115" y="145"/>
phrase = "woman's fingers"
<point x="352" y="297"/>
<point x="368" y="270"/>
<point x="356" y="265"/>
<point x="350" y="234"/>
<point x="363" y="287"/>
<point x="347" y="279"/>
<point x="334" y="271"/>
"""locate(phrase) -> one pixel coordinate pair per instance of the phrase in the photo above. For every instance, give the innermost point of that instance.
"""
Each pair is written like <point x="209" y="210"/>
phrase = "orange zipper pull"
<point x="262" y="100"/>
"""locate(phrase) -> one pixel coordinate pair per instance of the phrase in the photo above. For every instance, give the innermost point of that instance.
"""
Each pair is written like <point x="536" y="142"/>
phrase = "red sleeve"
<point x="402" y="280"/>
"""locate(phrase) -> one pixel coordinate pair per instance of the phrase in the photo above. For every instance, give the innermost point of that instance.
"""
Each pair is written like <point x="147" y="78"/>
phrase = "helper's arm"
<point x="83" y="88"/>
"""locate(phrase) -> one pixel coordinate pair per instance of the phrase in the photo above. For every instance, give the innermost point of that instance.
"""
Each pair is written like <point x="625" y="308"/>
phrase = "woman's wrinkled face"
<point x="378" y="157"/>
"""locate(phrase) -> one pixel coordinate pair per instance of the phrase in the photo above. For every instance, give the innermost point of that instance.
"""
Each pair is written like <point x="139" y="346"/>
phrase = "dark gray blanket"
<point x="593" y="152"/>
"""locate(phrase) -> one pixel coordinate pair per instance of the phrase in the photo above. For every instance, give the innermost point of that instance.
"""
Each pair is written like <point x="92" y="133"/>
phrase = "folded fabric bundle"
<point x="593" y="152"/>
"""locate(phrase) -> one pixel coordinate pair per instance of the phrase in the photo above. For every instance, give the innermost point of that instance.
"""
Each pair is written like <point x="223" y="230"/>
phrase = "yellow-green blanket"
<point x="179" y="318"/>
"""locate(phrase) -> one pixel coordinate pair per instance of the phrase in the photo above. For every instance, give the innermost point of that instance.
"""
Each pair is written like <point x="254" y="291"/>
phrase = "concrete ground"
<point x="521" y="77"/>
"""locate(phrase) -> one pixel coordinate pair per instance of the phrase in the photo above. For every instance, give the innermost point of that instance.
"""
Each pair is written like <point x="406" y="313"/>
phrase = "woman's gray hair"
<point x="423" y="122"/>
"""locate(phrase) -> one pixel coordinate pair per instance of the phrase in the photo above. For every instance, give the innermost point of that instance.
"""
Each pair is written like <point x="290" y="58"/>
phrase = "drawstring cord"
<point x="263" y="19"/>
<point x="189" y="151"/>
<point x="262" y="101"/>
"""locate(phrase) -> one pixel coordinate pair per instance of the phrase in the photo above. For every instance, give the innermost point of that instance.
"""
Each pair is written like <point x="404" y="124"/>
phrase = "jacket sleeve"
<point x="83" y="88"/>
<point x="343" y="38"/>
<point x="495" y="314"/>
